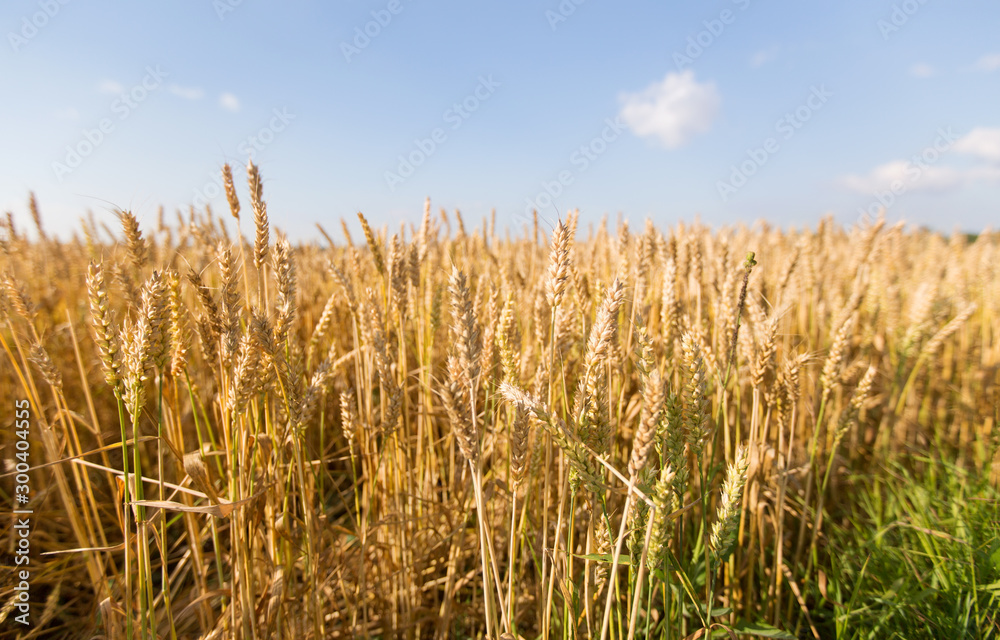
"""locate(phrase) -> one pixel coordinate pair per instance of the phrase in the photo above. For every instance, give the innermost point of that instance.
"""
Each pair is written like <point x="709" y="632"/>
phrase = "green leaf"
<point x="623" y="559"/>
<point x="762" y="630"/>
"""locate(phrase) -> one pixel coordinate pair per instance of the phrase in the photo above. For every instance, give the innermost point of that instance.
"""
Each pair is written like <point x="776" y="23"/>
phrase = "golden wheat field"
<point x="460" y="430"/>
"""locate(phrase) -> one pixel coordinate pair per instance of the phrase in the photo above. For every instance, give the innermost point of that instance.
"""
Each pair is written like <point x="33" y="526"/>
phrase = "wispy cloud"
<point x="229" y="102"/>
<point x="989" y="62"/>
<point x="110" y="86"/>
<point x="673" y="110"/>
<point x="69" y="113"/>
<point x="982" y="142"/>
<point x="764" y="56"/>
<point x="903" y="172"/>
<point x="188" y="93"/>
<point x="923" y="173"/>
<point x="921" y="70"/>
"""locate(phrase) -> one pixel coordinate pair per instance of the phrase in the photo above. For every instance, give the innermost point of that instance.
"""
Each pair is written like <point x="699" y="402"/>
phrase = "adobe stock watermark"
<point x="33" y="24"/>
<point x="898" y="17"/>
<point x="912" y="174"/>
<point x="454" y="116"/>
<point x="562" y="12"/>
<point x="580" y="160"/>
<point x="787" y="126"/>
<point x="704" y="39"/>
<point x="258" y="141"/>
<point x="121" y="108"/>
<point x="225" y="7"/>
<point x="21" y="530"/>
<point x="363" y="35"/>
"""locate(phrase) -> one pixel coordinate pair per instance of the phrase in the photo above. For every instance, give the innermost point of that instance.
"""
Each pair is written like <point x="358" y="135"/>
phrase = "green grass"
<point x="918" y="556"/>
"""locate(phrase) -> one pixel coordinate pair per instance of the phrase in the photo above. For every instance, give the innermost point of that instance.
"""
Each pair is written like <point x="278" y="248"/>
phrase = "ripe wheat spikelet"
<point x="314" y="450"/>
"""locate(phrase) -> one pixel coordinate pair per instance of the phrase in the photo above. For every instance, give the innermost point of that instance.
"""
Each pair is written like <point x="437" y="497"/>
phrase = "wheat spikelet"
<point x="317" y="386"/>
<point x="519" y="432"/>
<point x="40" y="357"/>
<point x="349" y="419"/>
<point x="373" y="245"/>
<point x="398" y="274"/>
<point x="465" y="333"/>
<point x="284" y="268"/>
<point x="664" y="500"/>
<point x="322" y="325"/>
<point x="231" y="304"/>
<point x="424" y="235"/>
<point x="559" y="266"/>
<point x="138" y="364"/>
<point x="346" y="286"/>
<point x="574" y="450"/>
<point x="227" y="183"/>
<point x="748" y="266"/>
<point x="695" y="402"/>
<point x="645" y="357"/>
<point x="456" y="401"/>
<point x="669" y="307"/>
<point x="105" y="328"/>
<point x="18" y="298"/>
<point x="36" y="216"/>
<point x="603" y="546"/>
<point x="247" y="367"/>
<point x="213" y="319"/>
<point x="831" y="368"/>
<point x="790" y="388"/>
<point x="178" y="326"/>
<point x="507" y="342"/>
<point x="263" y="335"/>
<point x="765" y="356"/>
<point x="654" y="398"/>
<point x="133" y="238"/>
<point x="953" y="325"/>
<point x="262" y="230"/>
<point x="489" y="353"/>
<point x="155" y="305"/>
<point x="590" y="410"/>
<point x="375" y="335"/>
<point x="728" y="515"/>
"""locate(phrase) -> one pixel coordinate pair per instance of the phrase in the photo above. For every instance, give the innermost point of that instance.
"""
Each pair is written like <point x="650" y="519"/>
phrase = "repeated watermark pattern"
<point x="254" y="143"/>
<point x="21" y="529"/>
<point x="910" y="175"/>
<point x="562" y="12"/>
<point x="698" y="43"/>
<point x="786" y="126"/>
<point x="581" y="159"/>
<point x="454" y="116"/>
<point x="32" y="25"/>
<point x="225" y="7"/>
<point x="121" y="108"/>
<point x="363" y="35"/>
<point x="898" y="17"/>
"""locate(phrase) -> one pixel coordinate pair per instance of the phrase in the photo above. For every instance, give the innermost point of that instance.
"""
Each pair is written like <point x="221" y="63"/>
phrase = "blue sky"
<point x="732" y="110"/>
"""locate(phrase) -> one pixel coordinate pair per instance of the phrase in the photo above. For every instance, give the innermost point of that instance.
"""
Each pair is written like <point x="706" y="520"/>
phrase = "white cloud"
<point x="764" y="56"/>
<point x="981" y="142"/>
<point x="989" y="62"/>
<point x="69" y="113"/>
<point x="673" y="110"/>
<point x="985" y="174"/>
<point x="229" y="102"/>
<point x="188" y="93"/>
<point x="921" y="70"/>
<point x="912" y="177"/>
<point x="110" y="86"/>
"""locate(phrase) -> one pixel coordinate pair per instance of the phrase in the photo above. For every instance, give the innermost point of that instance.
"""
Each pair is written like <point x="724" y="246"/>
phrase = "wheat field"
<point x="461" y="430"/>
